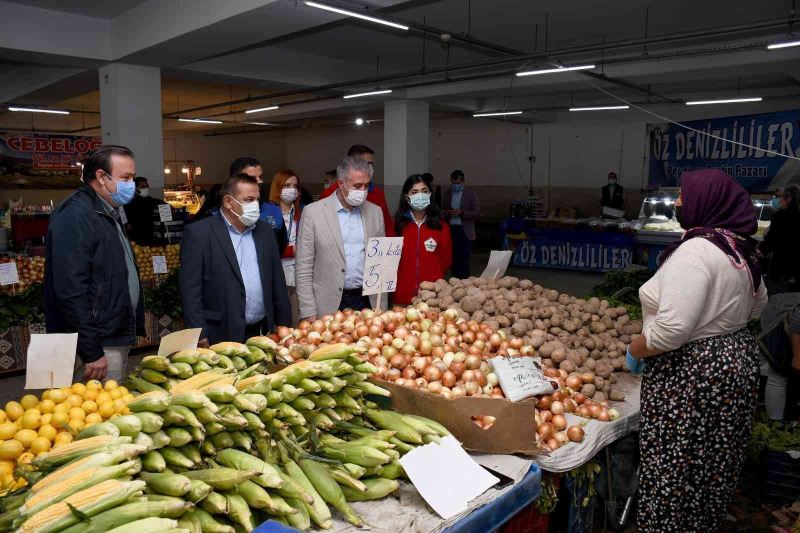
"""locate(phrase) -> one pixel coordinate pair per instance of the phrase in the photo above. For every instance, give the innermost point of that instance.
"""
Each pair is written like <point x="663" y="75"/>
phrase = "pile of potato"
<point x="572" y="334"/>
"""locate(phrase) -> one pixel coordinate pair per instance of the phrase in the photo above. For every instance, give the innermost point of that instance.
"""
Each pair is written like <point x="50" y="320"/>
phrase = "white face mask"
<point x="250" y="212"/>
<point x="355" y="198"/>
<point x="144" y="192"/>
<point x="288" y="194"/>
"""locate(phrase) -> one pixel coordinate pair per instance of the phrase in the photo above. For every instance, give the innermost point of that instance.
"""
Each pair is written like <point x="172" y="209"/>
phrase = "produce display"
<point x="207" y="447"/>
<point x="29" y="269"/>
<point x="144" y="258"/>
<point x="32" y="426"/>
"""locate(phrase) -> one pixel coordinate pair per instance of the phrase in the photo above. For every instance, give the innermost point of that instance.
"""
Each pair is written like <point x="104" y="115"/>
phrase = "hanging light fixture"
<point x="198" y="171"/>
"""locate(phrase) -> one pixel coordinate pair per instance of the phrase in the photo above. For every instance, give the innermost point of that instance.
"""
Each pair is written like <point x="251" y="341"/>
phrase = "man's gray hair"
<point x="348" y="165"/>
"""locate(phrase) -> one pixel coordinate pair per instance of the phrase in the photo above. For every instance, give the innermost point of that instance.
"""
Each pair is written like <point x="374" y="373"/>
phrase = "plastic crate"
<point x="782" y="478"/>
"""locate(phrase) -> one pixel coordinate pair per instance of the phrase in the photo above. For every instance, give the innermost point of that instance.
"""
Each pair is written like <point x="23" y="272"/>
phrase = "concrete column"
<point x="130" y="115"/>
<point x="406" y="145"/>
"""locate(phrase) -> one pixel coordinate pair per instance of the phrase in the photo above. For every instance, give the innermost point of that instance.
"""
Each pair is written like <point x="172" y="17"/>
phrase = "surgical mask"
<point x="775" y="202"/>
<point x="355" y="198"/>
<point x="420" y="201"/>
<point x="288" y="194"/>
<point x="458" y="187"/>
<point x="251" y="212"/>
<point x="612" y="182"/>
<point x="144" y="192"/>
<point x="125" y="192"/>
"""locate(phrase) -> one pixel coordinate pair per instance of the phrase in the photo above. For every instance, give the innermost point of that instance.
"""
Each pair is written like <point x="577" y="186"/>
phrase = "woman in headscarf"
<point x="700" y="362"/>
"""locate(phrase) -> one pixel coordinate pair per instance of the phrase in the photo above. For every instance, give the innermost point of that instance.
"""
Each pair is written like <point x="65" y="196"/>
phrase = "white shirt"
<point x="698" y="293"/>
<point x="352" y="227"/>
<point x="288" y="262"/>
<point x="455" y="203"/>
<point x="244" y="245"/>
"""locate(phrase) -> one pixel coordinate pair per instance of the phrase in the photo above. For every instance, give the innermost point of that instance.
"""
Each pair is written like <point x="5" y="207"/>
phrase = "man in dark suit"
<point x="462" y="209"/>
<point x="612" y="195"/>
<point x="231" y="280"/>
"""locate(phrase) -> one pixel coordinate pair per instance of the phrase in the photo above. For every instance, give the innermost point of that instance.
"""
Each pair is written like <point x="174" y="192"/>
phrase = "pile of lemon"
<point x="35" y="425"/>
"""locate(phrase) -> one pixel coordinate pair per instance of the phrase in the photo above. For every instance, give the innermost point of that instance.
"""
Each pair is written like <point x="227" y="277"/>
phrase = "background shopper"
<point x="781" y="244"/>
<point x="284" y="191"/>
<point x="462" y="209"/>
<point x="427" y="249"/>
<point x="700" y="381"/>
<point x="91" y="282"/>
<point x="780" y="345"/>
<point x="139" y="212"/>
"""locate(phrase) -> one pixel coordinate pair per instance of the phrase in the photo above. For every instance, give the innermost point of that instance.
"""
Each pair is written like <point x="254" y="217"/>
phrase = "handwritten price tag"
<point x="8" y="273"/>
<point x="165" y="213"/>
<point x="520" y="378"/>
<point x="160" y="264"/>
<point x="380" y="265"/>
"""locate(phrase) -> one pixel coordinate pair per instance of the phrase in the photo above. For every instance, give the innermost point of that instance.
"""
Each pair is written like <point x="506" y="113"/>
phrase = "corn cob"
<point x="208" y="356"/>
<point x="182" y="370"/>
<point x="219" y="393"/>
<point x="128" y="425"/>
<point x="262" y="342"/>
<point x="154" y="362"/>
<point x="178" y="436"/>
<point x="92" y="501"/>
<point x="269" y="476"/>
<point x="174" y="457"/>
<point x="258" y="498"/>
<point x="335" y="351"/>
<point x="222" y="478"/>
<point x="301" y="519"/>
<point x="186" y="356"/>
<point x="209" y="524"/>
<point x="226" y="364"/>
<point x="327" y="487"/>
<point x="192" y="451"/>
<point x="274" y="397"/>
<point x="151" y="422"/>
<point x="130" y="512"/>
<point x="212" y="428"/>
<point x="352" y="470"/>
<point x="392" y="470"/>
<point x="432" y="424"/>
<point x="346" y="480"/>
<point x="193" y="400"/>
<point x="215" y="503"/>
<point x="239" y="511"/>
<point x="258" y="383"/>
<point x="238" y="363"/>
<point x="180" y="416"/>
<point x="290" y="392"/>
<point x="371" y="388"/>
<point x="90" y="461"/>
<point x="242" y="440"/>
<point x="302" y="404"/>
<point x="200" y="367"/>
<point x="255" y="355"/>
<point x="229" y="348"/>
<point x="222" y="440"/>
<point x="154" y="376"/>
<point x="394" y="422"/>
<point x="146" y="524"/>
<point x="319" y="512"/>
<point x="198" y="434"/>
<point x="197" y="381"/>
<point x="363" y="455"/>
<point x="199" y="491"/>
<point x="231" y="418"/>
<point x="136" y="383"/>
<point x="160" y="439"/>
<point x="208" y="449"/>
<point x="103" y="428"/>
<point x="152" y="461"/>
<point x="253" y="422"/>
<point x="167" y="484"/>
<point x="376" y="488"/>
<point x="242" y="403"/>
<point x="77" y="449"/>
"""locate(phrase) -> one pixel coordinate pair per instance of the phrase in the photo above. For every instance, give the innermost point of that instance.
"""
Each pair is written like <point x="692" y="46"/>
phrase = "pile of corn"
<point x="225" y="450"/>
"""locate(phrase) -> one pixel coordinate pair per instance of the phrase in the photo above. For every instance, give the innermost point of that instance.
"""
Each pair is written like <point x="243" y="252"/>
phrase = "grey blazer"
<point x="319" y="255"/>
<point x="470" y="207"/>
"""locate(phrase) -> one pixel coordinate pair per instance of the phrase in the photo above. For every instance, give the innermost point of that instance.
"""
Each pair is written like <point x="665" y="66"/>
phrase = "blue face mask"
<point x="419" y="201"/>
<point x="458" y="187"/>
<point x="776" y="203"/>
<point x="126" y="190"/>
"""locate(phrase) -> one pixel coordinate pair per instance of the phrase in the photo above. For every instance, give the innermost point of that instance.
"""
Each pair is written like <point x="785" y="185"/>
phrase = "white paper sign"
<point x="520" y="378"/>
<point x="8" y="273"/>
<point x="497" y="265"/>
<point x="380" y="265"/>
<point x="165" y="213"/>
<point x="159" y="264"/>
<point x="446" y="476"/>
<point x="185" y="339"/>
<point x="51" y="360"/>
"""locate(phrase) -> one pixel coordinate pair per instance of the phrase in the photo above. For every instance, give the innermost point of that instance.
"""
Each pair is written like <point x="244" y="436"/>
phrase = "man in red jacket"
<point x="374" y="193"/>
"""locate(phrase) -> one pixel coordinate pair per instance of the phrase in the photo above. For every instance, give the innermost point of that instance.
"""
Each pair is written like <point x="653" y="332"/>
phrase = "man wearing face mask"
<point x="461" y="209"/>
<point x="139" y="212"/>
<point x="232" y="284"/>
<point x="268" y="211"/>
<point x="91" y="281"/>
<point x="612" y="197"/>
<point x="331" y="244"/>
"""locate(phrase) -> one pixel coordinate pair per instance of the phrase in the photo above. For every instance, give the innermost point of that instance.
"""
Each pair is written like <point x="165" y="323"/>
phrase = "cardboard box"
<point x="514" y="430"/>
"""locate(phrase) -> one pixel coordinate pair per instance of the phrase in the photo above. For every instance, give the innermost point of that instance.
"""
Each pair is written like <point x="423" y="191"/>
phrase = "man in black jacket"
<point x="612" y="195"/>
<point x="231" y="279"/>
<point x="140" y="212"/>
<point x="91" y="281"/>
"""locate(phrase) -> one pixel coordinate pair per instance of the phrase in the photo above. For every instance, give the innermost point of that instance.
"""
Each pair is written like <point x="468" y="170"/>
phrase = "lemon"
<point x="104" y="397"/>
<point x="128" y="398"/>
<point x="119" y="405"/>
<point x="111" y="385"/>
<point x="94" y="384"/>
<point x="93" y="418"/>
<point x="46" y="406"/>
<point x="39" y="445"/>
<point x="124" y="390"/>
<point x="25" y="458"/>
<point x="46" y="418"/>
<point x="14" y="410"/>
<point x="11" y="449"/>
<point x="29" y="401"/>
<point x="25" y="437"/>
<point x="89" y="406"/>
<point x="106" y="409"/>
<point x="31" y="419"/>
<point x="116" y="393"/>
<point x="78" y="388"/>
<point x="62" y="408"/>
<point x="60" y="419"/>
<point x="65" y="437"/>
<point x="77" y="413"/>
<point x="8" y="430"/>
<point x="77" y="424"/>
<point x="74" y="400"/>
<point x="46" y="395"/>
<point x="48" y="432"/>
<point x="90" y="394"/>
<point x="57" y="395"/>
<point x="6" y="467"/>
<point x="3" y="416"/>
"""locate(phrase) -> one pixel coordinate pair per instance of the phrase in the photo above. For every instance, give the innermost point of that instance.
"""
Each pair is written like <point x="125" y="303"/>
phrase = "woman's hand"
<point x="636" y="366"/>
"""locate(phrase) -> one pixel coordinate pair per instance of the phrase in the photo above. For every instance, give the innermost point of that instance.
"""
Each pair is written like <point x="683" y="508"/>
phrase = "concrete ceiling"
<point x="214" y="52"/>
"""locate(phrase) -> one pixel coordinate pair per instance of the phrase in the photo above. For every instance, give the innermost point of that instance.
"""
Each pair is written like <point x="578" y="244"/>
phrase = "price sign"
<point x="497" y="265"/>
<point x="160" y="264"/>
<point x="165" y="213"/>
<point x="520" y="378"/>
<point x="380" y="265"/>
<point x="51" y="360"/>
<point x="8" y="273"/>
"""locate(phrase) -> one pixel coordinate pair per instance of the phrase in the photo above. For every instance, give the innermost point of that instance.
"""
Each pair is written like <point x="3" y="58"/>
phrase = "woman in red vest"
<point x="285" y="192"/>
<point x="427" y="249"/>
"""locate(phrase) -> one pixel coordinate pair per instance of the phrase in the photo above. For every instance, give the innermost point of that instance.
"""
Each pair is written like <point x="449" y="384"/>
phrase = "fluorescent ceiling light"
<point x="200" y="120"/>
<point x="554" y="70"/>
<point x="788" y="44"/>
<point x="600" y="108"/>
<point x="359" y="121"/>
<point x="260" y="124"/>
<point x="356" y="15"/>
<point x="270" y="108"/>
<point x="35" y="110"/>
<point x="371" y="93"/>
<point x="725" y="101"/>
<point x="497" y="114"/>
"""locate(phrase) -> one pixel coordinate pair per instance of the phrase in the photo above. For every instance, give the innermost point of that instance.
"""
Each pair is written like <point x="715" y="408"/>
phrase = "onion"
<point x="546" y="430"/>
<point x="547" y="416"/>
<point x="594" y="410"/>
<point x="449" y="379"/>
<point x="422" y="383"/>
<point x="448" y="358"/>
<point x="562" y="373"/>
<point x="570" y="406"/>
<point x="398" y="361"/>
<point x="432" y="373"/>
<point x="613" y="414"/>
<point x="473" y="362"/>
<point x="419" y="364"/>
<point x="393" y="374"/>
<point x="603" y="416"/>
<point x="575" y="433"/>
<point x="425" y="347"/>
<point x="553" y="444"/>
<point x="472" y="388"/>
<point x="409" y="373"/>
<point x="398" y="343"/>
<point x="468" y="376"/>
<point x="447" y="394"/>
<point x="574" y="382"/>
<point x="480" y="377"/>
<point x="587" y="377"/>
<point x="459" y="357"/>
<point x="557" y="408"/>
<point x="362" y="330"/>
<point x="435" y="387"/>
<point x="374" y="331"/>
<point x="562" y="438"/>
<point x="558" y="396"/>
<point x="544" y="402"/>
<point x="495" y="340"/>
<point x="583" y="410"/>
<point x="457" y="369"/>
<point x="458" y="391"/>
<point x="527" y="351"/>
<point x="559" y="422"/>
<point x="579" y="398"/>
<point x="440" y="365"/>
<point x="488" y="389"/>
<point x="492" y="379"/>
<point x="516" y="343"/>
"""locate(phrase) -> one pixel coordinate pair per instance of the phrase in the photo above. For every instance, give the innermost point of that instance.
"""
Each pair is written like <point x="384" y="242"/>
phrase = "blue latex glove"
<point x="636" y="366"/>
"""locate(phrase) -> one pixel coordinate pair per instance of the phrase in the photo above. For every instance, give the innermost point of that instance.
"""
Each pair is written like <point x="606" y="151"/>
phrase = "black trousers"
<point x="462" y="250"/>
<point x="354" y="301"/>
<point x="252" y="330"/>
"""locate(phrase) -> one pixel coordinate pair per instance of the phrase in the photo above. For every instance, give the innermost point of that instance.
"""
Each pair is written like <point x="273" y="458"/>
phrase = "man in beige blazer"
<point x="331" y="241"/>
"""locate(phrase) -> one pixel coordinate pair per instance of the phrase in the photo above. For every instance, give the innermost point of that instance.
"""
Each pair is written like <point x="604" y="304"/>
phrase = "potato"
<point x="459" y="293"/>
<point x="576" y="358"/>
<point x="590" y="364"/>
<point x="618" y="363"/>
<point x="518" y="329"/>
<point x="631" y="328"/>
<point x="427" y="295"/>
<point x="548" y="363"/>
<point x="434" y="302"/>
<point x="589" y="343"/>
<point x="616" y="395"/>
<point x="525" y="284"/>
<point x="588" y="390"/>
<point x="479" y="316"/>
<point x="427" y="286"/>
<point x="568" y="366"/>
<point x="455" y="281"/>
<point x="504" y="322"/>
<point x="597" y="327"/>
<point x="603" y="370"/>
<point x="598" y="382"/>
<point x="551" y="295"/>
<point x="599" y="396"/>
<point x="469" y="304"/>
<point x="564" y="299"/>
<point x="447" y="301"/>
<point x="558" y="355"/>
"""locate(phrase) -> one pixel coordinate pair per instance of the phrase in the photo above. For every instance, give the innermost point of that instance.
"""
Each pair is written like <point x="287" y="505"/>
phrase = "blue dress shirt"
<point x="456" y="204"/>
<point x="245" y="248"/>
<point x="352" y="227"/>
